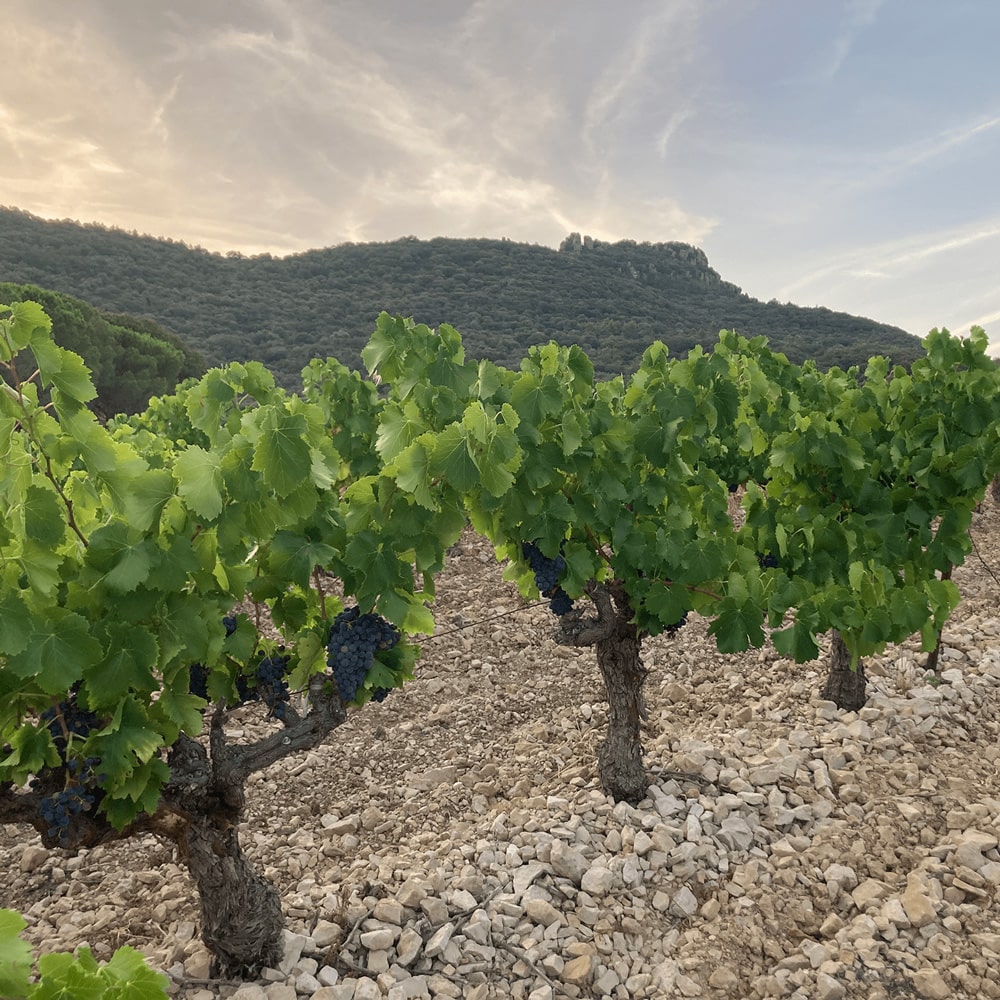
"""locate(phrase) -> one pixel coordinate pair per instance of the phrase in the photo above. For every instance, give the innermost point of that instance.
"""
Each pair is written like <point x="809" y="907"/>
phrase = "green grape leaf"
<point x="127" y="738"/>
<point x="59" y="652"/>
<point x="30" y="750"/>
<point x="42" y="566"/>
<point x="199" y="481"/>
<point x="44" y="515"/>
<point x="665" y="604"/>
<point x="295" y="556"/>
<point x="398" y="427"/>
<point x="413" y="472"/>
<point x="146" y="497"/>
<point x="128" y="666"/>
<point x="737" y="626"/>
<point x="796" y="641"/>
<point x="535" y="400"/>
<point x="63" y="369"/>
<point x="311" y="653"/>
<point x="182" y="712"/>
<point x="123" y="556"/>
<point x="282" y="453"/>
<point x="101" y="454"/>
<point x="419" y="619"/>
<point x="452" y="459"/>
<point x="17" y="624"/>
<point x="63" y="976"/>
<point x="128" y="972"/>
<point x="15" y="956"/>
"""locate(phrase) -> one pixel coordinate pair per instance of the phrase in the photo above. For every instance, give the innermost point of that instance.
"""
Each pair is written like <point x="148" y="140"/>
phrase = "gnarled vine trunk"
<point x="844" y="686"/>
<point x="240" y="911"/>
<point x="617" y="644"/>
<point x="619" y="759"/>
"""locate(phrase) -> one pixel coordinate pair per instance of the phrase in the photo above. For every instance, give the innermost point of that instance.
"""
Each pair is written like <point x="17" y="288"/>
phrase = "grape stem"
<point x="318" y="581"/>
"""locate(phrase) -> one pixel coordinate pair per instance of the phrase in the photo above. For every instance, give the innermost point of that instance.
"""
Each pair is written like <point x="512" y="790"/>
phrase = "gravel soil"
<point x="454" y="841"/>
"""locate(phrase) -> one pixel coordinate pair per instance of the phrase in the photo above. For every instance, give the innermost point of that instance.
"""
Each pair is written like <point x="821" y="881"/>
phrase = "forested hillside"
<point x="612" y="299"/>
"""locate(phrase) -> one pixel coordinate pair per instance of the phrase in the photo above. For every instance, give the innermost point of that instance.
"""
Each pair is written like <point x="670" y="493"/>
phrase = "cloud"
<point x="892" y="259"/>
<point x="666" y="36"/>
<point x="676" y="120"/>
<point x="860" y="15"/>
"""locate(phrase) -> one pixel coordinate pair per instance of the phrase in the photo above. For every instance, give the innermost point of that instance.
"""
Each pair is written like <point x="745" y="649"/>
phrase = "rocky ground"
<point x="454" y="842"/>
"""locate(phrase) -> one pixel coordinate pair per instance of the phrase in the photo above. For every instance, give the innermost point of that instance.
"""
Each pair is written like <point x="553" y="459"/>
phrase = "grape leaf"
<point x="59" y="651"/>
<point x="15" y="956"/>
<point x="63" y="369"/>
<point x="199" y="481"/>
<point x="281" y="453"/>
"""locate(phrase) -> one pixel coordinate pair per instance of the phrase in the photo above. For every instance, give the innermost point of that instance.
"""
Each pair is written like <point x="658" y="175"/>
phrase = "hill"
<point x="611" y="298"/>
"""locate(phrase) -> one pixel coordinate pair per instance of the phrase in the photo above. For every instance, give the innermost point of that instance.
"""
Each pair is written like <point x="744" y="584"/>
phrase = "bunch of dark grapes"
<point x="68" y="718"/>
<point x="547" y="575"/>
<point x="560" y="602"/>
<point x="78" y="796"/>
<point x="271" y="683"/>
<point x="767" y="560"/>
<point x="198" y="683"/>
<point x="246" y="689"/>
<point x="354" y="640"/>
<point x="672" y="630"/>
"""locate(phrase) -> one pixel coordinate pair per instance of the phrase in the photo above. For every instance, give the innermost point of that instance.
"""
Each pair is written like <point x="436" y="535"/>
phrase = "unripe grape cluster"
<point x="354" y="640"/>
<point x="548" y="572"/>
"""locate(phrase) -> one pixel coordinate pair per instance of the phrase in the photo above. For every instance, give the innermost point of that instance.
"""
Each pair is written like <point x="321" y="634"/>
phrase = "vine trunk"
<point x="242" y="922"/>
<point x="620" y="755"/>
<point x="844" y="686"/>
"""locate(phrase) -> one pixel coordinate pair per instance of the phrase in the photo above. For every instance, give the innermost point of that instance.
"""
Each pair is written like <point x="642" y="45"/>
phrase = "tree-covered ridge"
<point x="131" y="358"/>
<point x="612" y="299"/>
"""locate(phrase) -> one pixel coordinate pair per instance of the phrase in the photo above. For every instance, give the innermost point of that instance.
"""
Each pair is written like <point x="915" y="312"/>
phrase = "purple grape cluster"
<point x="354" y="640"/>
<point x="677" y="625"/>
<point x="78" y="722"/>
<point x="767" y="560"/>
<point x="548" y="573"/>
<point x="78" y="796"/>
<point x="271" y="684"/>
<point x="198" y="679"/>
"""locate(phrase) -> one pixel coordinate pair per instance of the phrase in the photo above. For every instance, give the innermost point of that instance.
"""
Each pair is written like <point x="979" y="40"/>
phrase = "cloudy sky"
<point x="826" y="152"/>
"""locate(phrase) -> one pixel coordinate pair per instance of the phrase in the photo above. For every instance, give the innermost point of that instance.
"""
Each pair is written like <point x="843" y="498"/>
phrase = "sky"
<point x="843" y="153"/>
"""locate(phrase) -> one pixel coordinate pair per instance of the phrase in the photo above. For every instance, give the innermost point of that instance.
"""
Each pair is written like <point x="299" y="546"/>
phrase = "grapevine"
<point x="630" y="483"/>
<point x="122" y="547"/>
